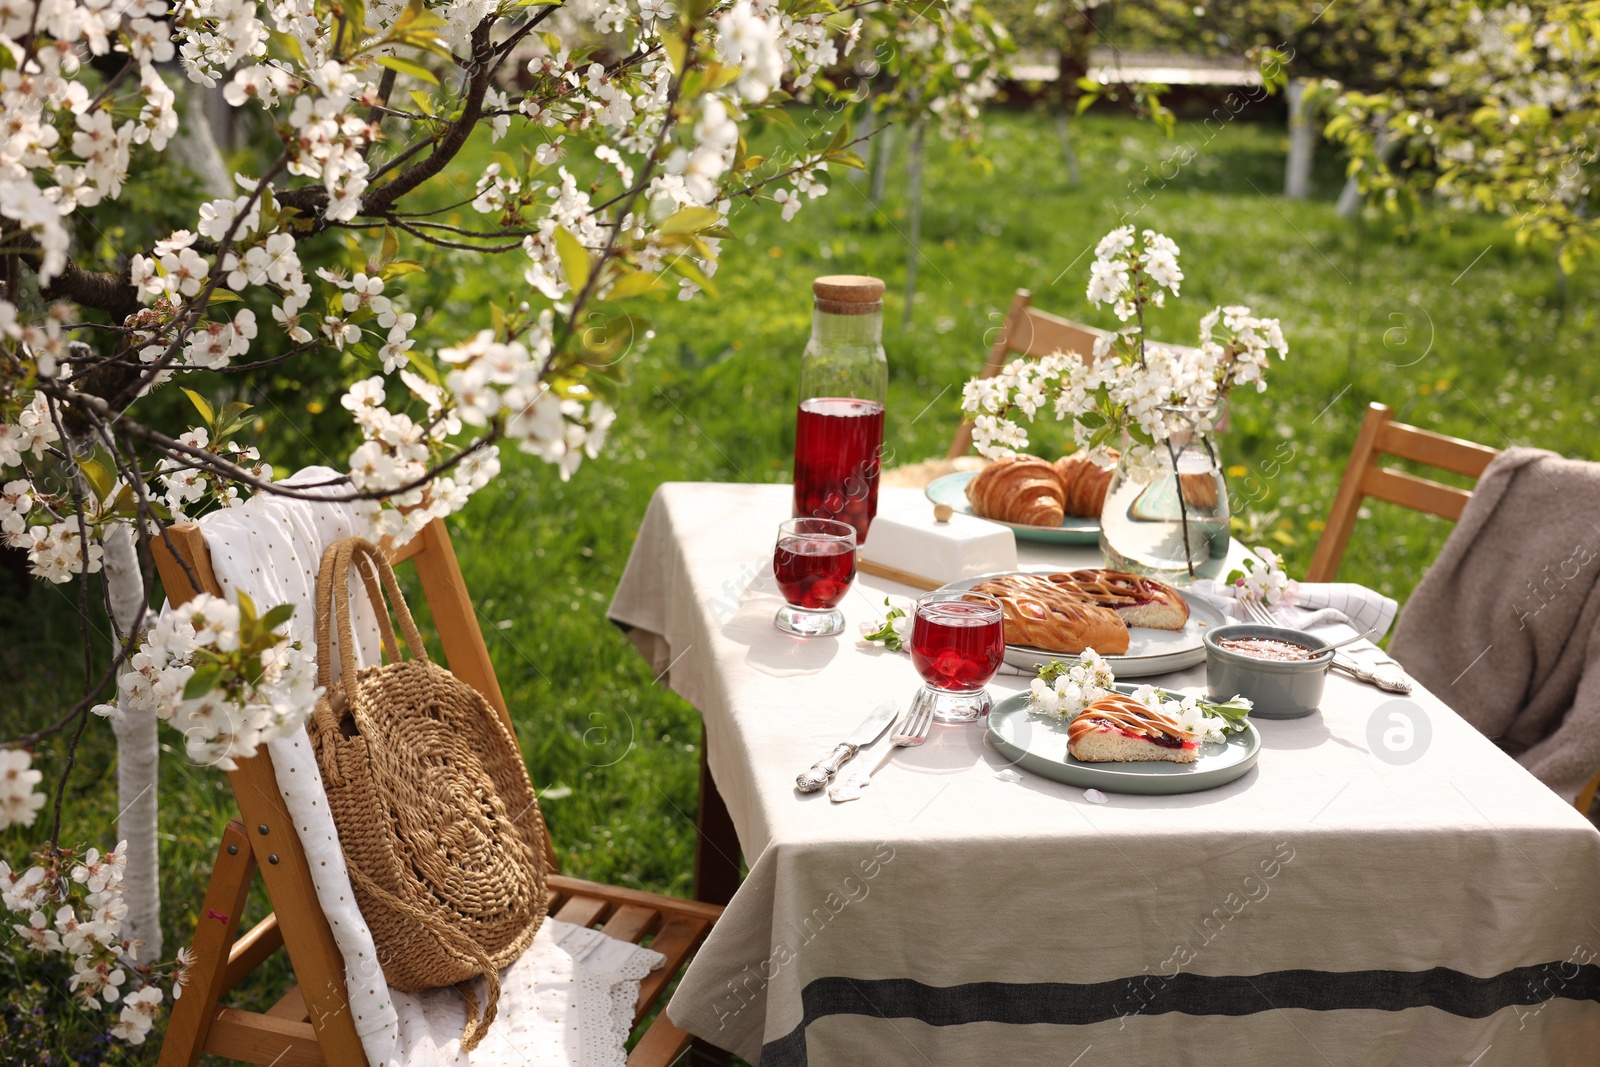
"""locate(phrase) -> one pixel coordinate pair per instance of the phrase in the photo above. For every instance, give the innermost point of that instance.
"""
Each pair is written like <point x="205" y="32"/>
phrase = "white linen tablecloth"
<point x="1364" y="895"/>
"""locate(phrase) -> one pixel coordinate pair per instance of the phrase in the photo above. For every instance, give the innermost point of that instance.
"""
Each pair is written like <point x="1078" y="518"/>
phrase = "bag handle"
<point x="333" y="583"/>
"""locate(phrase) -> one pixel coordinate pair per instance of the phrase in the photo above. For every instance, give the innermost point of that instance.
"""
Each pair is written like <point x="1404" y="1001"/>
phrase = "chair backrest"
<point x="1363" y="477"/>
<point x="1027" y="331"/>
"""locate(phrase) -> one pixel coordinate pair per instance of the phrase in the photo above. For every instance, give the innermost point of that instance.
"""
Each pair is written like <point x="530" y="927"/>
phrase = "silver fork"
<point x="1389" y="683"/>
<point x="909" y="732"/>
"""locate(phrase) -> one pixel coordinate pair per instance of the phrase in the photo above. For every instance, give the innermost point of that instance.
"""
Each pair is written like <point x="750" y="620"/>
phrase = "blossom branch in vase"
<point x="1131" y="393"/>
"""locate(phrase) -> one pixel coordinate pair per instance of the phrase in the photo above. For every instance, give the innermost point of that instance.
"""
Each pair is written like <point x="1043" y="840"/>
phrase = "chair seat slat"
<point x="583" y="910"/>
<point x="676" y="940"/>
<point x="660" y="1046"/>
<point x="631" y="923"/>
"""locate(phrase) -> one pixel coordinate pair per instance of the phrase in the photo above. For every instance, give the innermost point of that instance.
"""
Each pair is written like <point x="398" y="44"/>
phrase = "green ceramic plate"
<point x="1038" y="743"/>
<point x="952" y="489"/>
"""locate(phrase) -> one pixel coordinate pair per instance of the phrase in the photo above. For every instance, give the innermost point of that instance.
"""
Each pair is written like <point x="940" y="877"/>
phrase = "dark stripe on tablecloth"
<point x="1072" y="1004"/>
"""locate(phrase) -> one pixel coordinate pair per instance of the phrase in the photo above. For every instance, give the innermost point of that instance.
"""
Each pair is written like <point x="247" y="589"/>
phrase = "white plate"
<point x="1150" y="651"/>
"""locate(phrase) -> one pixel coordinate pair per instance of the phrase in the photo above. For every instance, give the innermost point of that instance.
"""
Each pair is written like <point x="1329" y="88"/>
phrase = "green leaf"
<point x="574" y="259"/>
<point x="405" y="66"/>
<point x="277" y="616"/>
<point x="390" y="248"/>
<point x="231" y="421"/>
<point x="206" y="413"/>
<point x="247" y="607"/>
<point x="635" y="284"/>
<point x="99" y="479"/>
<point x="290" y="45"/>
<point x="202" y="681"/>
<point x="423" y="101"/>
<point x="677" y="50"/>
<point x="841" y="136"/>
<point x="847" y="158"/>
<point x="690" y="220"/>
<point x="687" y="268"/>
<point x="355" y="13"/>
<point x="126" y="505"/>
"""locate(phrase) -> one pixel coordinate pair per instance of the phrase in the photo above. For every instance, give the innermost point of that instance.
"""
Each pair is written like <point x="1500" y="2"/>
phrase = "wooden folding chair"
<point x="1381" y="436"/>
<point x="1027" y="331"/>
<point x="311" y="1024"/>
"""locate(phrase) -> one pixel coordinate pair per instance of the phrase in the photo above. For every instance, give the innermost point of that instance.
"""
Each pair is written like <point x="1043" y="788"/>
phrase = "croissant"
<point x="1020" y="489"/>
<point x="1039" y="613"/>
<point x="1084" y="483"/>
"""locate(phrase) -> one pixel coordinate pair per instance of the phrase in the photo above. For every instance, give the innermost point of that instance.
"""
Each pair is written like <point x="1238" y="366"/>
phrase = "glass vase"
<point x="1169" y="519"/>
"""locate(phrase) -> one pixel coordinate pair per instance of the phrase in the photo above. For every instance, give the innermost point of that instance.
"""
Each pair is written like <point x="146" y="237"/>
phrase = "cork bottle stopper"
<point x="942" y="512"/>
<point x="848" y="294"/>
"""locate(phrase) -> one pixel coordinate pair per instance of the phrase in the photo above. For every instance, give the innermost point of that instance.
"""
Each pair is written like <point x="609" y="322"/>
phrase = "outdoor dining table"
<point x="1349" y="900"/>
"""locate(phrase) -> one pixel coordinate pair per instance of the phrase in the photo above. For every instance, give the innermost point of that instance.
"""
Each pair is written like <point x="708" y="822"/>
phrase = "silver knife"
<point x="1389" y="683"/>
<point x="869" y="731"/>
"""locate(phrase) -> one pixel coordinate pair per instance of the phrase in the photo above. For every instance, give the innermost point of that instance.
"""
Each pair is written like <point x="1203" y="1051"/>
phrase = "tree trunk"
<point x="137" y="762"/>
<point x="882" y="156"/>
<point x="1077" y="39"/>
<point x="195" y="148"/>
<point x="1350" y="198"/>
<point x="1302" y="144"/>
<point x="1069" y="151"/>
<point x="914" y="172"/>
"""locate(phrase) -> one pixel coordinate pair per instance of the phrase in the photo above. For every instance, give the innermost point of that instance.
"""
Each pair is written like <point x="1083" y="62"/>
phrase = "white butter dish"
<point x="908" y="540"/>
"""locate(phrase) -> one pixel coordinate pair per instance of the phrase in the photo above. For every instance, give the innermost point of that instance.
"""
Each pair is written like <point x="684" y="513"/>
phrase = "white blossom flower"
<point x="20" y="799"/>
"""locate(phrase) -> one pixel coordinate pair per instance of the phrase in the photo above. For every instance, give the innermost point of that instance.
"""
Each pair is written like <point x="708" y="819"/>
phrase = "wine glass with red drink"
<point x="814" y="563"/>
<point x="957" y="643"/>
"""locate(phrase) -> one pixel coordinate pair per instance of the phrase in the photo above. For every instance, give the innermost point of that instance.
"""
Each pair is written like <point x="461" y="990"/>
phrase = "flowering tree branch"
<point x="634" y="114"/>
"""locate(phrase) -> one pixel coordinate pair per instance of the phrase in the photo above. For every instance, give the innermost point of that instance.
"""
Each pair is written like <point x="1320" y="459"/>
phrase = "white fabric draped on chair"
<point x="568" y="1001"/>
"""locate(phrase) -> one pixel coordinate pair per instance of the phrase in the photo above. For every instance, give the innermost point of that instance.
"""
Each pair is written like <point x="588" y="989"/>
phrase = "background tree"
<point x="139" y="312"/>
<point x="1497" y="112"/>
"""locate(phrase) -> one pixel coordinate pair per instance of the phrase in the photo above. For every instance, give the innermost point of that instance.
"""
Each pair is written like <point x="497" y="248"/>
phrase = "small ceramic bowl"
<point x="1277" y="689"/>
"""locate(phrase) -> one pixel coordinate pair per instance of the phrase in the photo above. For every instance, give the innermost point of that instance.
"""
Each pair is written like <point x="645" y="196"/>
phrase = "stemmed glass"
<point x="814" y="563"/>
<point x="957" y="644"/>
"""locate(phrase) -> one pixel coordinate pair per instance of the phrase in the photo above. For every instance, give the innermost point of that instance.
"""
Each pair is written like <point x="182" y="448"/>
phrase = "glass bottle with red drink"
<point x="844" y="380"/>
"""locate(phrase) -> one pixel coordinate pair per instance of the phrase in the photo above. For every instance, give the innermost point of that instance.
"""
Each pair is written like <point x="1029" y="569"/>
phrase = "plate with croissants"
<point x="1057" y="502"/>
<point x="1141" y="625"/>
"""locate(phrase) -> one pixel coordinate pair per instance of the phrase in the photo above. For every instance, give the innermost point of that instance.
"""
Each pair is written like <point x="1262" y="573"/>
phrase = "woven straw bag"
<point x="436" y="816"/>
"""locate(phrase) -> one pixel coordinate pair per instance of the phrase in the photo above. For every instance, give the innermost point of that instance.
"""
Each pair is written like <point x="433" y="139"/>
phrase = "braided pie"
<point x="1020" y="489"/>
<point x="1118" y="729"/>
<point x="1075" y="610"/>
<point x="1137" y="600"/>
<point x="1041" y="613"/>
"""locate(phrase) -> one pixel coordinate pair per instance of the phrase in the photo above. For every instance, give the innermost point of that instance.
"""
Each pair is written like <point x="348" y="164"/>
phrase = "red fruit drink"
<point x="813" y="573"/>
<point x="837" y="448"/>
<point x="957" y="646"/>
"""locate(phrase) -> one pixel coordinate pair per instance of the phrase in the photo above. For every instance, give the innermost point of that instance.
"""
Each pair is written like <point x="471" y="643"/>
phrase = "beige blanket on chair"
<point x="1505" y="626"/>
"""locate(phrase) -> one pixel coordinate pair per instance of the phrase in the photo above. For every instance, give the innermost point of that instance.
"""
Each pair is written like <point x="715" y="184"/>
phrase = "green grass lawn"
<point x="1459" y="329"/>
